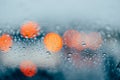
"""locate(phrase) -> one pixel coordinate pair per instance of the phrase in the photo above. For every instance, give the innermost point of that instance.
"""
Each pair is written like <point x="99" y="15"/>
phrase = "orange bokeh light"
<point x="95" y="40"/>
<point x="81" y="40"/>
<point x="5" y="42"/>
<point x="29" y="30"/>
<point x="73" y="39"/>
<point x="53" y="42"/>
<point x="28" y="68"/>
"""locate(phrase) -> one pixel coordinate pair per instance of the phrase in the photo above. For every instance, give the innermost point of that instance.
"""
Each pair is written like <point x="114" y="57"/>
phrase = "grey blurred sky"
<point x="105" y="11"/>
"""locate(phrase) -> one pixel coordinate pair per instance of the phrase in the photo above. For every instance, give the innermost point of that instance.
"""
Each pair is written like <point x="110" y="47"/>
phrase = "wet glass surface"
<point x="59" y="42"/>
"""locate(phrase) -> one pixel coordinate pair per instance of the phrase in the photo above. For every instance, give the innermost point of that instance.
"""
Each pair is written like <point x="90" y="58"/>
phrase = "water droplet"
<point x="69" y="54"/>
<point x="83" y="43"/>
<point x="69" y="59"/>
<point x="48" y="52"/>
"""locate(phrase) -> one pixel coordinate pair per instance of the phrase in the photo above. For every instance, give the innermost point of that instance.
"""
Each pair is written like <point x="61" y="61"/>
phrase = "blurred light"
<point x="5" y="42"/>
<point x="28" y="68"/>
<point x="29" y="30"/>
<point x="53" y="42"/>
<point x="72" y="39"/>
